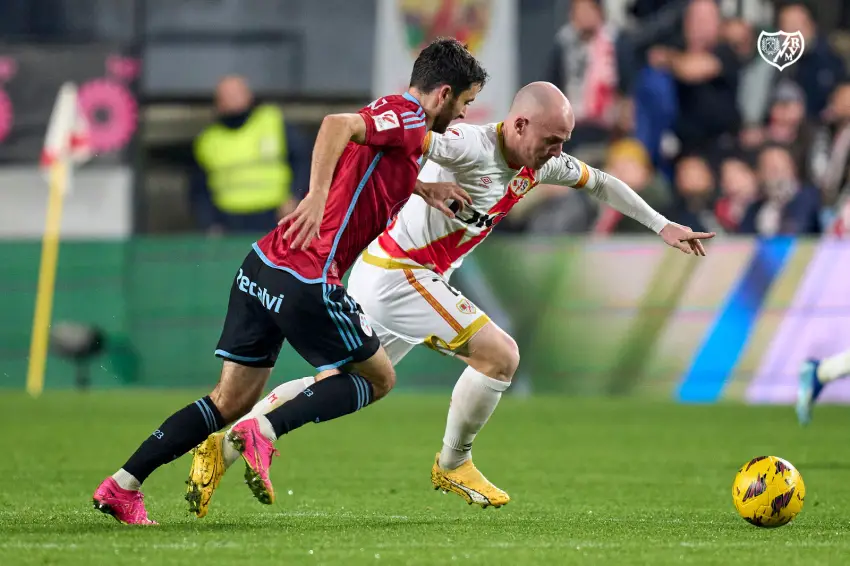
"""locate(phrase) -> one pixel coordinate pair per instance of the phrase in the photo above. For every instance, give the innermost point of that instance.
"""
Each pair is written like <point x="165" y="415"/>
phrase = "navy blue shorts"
<point x="268" y="305"/>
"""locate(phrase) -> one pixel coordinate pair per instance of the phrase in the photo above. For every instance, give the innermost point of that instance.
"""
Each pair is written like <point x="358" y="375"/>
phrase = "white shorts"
<point x="414" y="306"/>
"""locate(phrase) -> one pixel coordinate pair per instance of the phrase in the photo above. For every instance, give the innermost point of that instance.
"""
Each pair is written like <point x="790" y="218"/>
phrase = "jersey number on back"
<point x="378" y="103"/>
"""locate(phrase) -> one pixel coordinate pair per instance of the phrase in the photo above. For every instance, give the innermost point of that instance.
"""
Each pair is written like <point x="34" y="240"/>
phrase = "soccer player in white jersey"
<point x="814" y="376"/>
<point x="402" y="279"/>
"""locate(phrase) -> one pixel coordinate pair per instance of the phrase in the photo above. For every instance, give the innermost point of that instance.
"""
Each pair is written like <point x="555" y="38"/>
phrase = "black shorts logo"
<point x="271" y="302"/>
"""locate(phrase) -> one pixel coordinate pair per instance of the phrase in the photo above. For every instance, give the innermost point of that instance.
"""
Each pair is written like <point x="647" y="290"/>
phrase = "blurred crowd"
<point x="677" y="103"/>
<point x="682" y="107"/>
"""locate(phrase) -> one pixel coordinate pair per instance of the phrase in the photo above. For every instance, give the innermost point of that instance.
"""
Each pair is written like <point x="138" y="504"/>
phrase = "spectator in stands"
<point x="819" y="69"/>
<point x="658" y="21"/>
<point x="252" y="166"/>
<point x="552" y="209"/>
<point x="787" y="125"/>
<point x="695" y="192"/>
<point x="738" y="190"/>
<point x="756" y="79"/>
<point x="836" y="178"/>
<point x="705" y="74"/>
<point x="786" y="205"/>
<point x="629" y="161"/>
<point x="592" y="63"/>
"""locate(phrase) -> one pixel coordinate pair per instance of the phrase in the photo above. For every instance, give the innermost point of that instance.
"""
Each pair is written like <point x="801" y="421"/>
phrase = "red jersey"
<point x="370" y="184"/>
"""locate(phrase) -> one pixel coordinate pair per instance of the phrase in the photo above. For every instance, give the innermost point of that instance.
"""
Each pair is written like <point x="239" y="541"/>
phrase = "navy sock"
<point x="330" y="398"/>
<point x="181" y="432"/>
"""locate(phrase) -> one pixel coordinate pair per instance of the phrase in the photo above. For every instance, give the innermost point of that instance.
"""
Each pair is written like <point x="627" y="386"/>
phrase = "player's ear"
<point x="520" y="124"/>
<point x="444" y="94"/>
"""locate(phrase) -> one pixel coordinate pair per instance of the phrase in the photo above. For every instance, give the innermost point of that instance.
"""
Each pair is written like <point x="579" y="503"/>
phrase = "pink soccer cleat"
<point x="127" y="506"/>
<point x="257" y="451"/>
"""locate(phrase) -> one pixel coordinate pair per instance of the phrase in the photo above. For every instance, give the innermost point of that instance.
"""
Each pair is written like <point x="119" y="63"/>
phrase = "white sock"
<point x="279" y="395"/>
<point x="126" y="480"/>
<point x="835" y="367"/>
<point x="266" y="428"/>
<point x="474" y="399"/>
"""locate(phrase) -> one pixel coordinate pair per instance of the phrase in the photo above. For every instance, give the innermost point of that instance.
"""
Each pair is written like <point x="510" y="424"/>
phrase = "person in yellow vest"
<point x="250" y="165"/>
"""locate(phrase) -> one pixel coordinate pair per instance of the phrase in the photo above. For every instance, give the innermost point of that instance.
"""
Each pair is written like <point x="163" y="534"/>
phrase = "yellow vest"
<point x="246" y="168"/>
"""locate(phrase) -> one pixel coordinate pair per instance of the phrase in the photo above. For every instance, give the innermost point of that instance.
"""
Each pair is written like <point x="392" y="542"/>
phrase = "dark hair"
<point x="745" y="156"/>
<point x="446" y="61"/>
<point x="770" y="145"/>
<point x="686" y="155"/>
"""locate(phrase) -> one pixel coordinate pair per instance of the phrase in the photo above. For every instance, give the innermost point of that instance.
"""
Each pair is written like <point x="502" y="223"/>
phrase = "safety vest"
<point x="246" y="168"/>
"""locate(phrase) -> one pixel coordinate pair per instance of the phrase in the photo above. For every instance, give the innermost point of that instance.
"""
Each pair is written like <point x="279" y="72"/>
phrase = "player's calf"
<point x="493" y="358"/>
<point x="192" y="424"/>
<point x="217" y="453"/>
<point x="238" y="390"/>
<point x="328" y="399"/>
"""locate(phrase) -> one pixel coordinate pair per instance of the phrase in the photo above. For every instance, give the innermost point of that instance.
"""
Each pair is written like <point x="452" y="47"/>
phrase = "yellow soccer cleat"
<point x="205" y="474"/>
<point x="469" y="483"/>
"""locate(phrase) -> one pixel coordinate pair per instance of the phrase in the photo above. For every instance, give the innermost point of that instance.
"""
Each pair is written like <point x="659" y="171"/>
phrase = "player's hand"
<point x="436" y="195"/>
<point x="685" y="239"/>
<point x="306" y="221"/>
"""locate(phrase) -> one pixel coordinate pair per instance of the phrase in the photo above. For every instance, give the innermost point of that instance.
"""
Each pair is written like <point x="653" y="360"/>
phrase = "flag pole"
<point x="57" y="160"/>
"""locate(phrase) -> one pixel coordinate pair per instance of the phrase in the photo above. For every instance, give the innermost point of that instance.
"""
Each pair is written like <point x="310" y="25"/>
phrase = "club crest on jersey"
<point x="522" y="183"/>
<point x="454" y="134"/>
<point x="386" y="121"/>
<point x="466" y="307"/>
<point x="364" y="324"/>
<point x="519" y="186"/>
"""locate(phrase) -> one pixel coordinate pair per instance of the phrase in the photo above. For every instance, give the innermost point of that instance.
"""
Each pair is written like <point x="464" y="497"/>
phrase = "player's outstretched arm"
<point x="571" y="172"/>
<point x="623" y="199"/>
<point x="334" y="134"/>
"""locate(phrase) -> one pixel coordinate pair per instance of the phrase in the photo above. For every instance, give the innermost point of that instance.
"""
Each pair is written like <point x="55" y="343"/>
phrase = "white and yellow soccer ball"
<point x="768" y="492"/>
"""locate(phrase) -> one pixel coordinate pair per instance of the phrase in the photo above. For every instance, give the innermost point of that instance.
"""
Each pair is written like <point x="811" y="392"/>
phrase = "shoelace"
<point x="274" y="451"/>
<point x="141" y="511"/>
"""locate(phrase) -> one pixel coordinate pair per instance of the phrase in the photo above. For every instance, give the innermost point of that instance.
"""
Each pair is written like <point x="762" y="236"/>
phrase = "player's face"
<point x="541" y="141"/>
<point x="453" y="107"/>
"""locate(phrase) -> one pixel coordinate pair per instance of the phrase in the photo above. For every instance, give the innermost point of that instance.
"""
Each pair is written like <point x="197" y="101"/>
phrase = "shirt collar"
<point x="500" y="134"/>
<point x="412" y="98"/>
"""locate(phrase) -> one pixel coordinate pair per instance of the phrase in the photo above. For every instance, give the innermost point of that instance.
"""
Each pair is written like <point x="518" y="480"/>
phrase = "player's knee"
<point x="378" y="371"/>
<point x="232" y="406"/>
<point x="382" y="384"/>
<point x="494" y="353"/>
<point x="502" y="359"/>
<point x="237" y="391"/>
<point x="507" y="361"/>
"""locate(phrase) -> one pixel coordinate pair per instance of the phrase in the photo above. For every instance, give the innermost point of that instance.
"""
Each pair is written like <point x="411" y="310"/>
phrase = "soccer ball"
<point x="768" y="492"/>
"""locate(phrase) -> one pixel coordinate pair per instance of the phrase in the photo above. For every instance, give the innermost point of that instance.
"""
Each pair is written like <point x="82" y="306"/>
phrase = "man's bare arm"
<point x="334" y="134"/>
<point x="695" y="67"/>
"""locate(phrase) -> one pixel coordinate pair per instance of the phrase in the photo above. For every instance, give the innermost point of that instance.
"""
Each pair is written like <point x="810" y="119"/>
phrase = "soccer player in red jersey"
<point x="288" y="287"/>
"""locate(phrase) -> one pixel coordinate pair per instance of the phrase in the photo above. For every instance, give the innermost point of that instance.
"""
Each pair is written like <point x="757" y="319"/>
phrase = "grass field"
<point x="593" y="482"/>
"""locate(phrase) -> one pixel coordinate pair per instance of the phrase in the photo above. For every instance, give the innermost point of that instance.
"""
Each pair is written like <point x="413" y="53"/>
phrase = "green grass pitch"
<point x="593" y="482"/>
